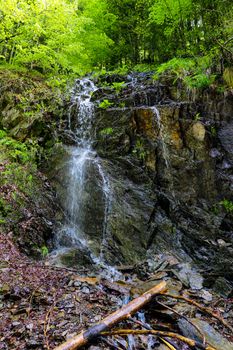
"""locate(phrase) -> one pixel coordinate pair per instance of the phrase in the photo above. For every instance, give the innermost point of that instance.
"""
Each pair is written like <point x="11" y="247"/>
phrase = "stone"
<point x="75" y="257"/>
<point x="225" y="136"/>
<point x="222" y="243"/>
<point x="198" y="131"/>
<point x="85" y="290"/>
<point x="4" y="289"/>
<point x="187" y="275"/>
<point x="206" y="295"/>
<point x="222" y="287"/>
<point x="214" y="338"/>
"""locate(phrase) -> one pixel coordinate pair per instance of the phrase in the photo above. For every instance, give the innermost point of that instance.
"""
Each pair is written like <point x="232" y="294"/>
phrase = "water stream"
<point x="83" y="161"/>
<point x="165" y="152"/>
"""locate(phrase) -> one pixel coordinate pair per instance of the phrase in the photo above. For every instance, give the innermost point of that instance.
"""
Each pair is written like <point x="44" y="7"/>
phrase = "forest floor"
<point x="43" y="305"/>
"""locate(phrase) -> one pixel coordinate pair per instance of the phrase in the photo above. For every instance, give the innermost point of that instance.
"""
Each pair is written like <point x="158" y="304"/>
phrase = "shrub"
<point x="193" y="72"/>
<point x="106" y="131"/>
<point x="105" y="104"/>
<point x="118" y="86"/>
<point x="227" y="205"/>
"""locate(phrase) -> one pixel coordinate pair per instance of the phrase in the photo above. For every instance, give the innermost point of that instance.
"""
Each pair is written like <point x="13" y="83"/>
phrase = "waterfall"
<point x="83" y="163"/>
<point x="165" y="152"/>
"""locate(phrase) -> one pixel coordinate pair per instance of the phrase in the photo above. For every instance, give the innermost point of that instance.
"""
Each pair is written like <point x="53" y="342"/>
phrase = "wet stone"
<point x="222" y="287"/>
<point x="187" y="275"/>
<point x="214" y="338"/>
<point x="85" y="290"/>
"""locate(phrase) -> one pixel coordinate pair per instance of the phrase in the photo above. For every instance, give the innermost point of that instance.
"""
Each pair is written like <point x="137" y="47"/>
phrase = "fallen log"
<point x="125" y="312"/>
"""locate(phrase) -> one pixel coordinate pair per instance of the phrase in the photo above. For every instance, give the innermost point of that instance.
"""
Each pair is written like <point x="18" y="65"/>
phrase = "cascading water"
<point x="161" y="135"/>
<point x="83" y="163"/>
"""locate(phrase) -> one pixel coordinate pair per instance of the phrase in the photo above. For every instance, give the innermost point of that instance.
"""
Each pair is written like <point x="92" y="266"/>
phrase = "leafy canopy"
<point x="54" y="35"/>
<point x="77" y="36"/>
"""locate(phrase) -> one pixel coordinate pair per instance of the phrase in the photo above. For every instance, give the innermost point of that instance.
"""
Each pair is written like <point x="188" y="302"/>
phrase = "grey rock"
<point x="214" y="338"/>
<point x="222" y="286"/>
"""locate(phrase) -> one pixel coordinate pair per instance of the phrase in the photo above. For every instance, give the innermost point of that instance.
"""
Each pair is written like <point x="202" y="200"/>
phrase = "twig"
<point x="185" y="318"/>
<point x="170" y="346"/>
<point x="192" y="343"/>
<point x="200" y="307"/>
<point x="140" y="323"/>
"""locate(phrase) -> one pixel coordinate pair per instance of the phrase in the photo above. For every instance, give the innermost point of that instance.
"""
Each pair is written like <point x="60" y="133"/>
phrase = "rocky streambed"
<point x="42" y="306"/>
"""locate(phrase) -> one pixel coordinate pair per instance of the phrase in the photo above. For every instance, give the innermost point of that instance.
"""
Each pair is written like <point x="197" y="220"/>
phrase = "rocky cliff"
<point x="168" y="155"/>
<point x="30" y="113"/>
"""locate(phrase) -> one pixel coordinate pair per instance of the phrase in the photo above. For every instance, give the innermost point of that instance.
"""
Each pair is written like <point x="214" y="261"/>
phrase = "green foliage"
<point x="179" y="67"/>
<point x="2" y="134"/>
<point x="106" y="132"/>
<point x="18" y="151"/>
<point x="215" y="209"/>
<point x="143" y="68"/>
<point x="54" y="35"/>
<point x="19" y="161"/>
<point x="193" y="72"/>
<point x="105" y="104"/>
<point x="44" y="251"/>
<point x="227" y="205"/>
<point x="197" y="117"/>
<point x="5" y="208"/>
<point x="118" y="86"/>
<point x="200" y="81"/>
<point x="139" y="150"/>
<point x="213" y="131"/>
<point x="61" y="37"/>
<point x="228" y="77"/>
<point x="121" y="105"/>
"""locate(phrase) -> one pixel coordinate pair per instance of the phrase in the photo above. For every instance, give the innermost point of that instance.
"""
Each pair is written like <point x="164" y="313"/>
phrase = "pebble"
<point x="222" y="243"/>
<point x="207" y="296"/>
<point x="77" y="284"/>
<point x="85" y="290"/>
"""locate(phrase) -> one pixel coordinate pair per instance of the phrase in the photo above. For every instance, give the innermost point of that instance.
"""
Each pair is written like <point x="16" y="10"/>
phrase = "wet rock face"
<point x="29" y="107"/>
<point x="168" y="158"/>
<point x="26" y="210"/>
<point x="90" y="211"/>
<point x="170" y="168"/>
<point x="30" y="114"/>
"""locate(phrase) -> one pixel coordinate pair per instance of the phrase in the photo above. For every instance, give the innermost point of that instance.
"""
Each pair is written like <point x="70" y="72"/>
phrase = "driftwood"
<point x="125" y="312"/>
<point x="192" y="343"/>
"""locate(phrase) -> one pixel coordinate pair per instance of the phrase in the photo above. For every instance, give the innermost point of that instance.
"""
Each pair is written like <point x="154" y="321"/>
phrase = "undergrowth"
<point x="194" y="73"/>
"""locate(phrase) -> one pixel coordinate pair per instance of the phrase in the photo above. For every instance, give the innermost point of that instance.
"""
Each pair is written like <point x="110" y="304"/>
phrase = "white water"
<point x="165" y="152"/>
<point x="83" y="159"/>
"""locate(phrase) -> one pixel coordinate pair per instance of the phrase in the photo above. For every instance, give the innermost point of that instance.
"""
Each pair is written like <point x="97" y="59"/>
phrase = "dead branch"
<point x="192" y="343"/>
<point x="185" y="318"/>
<point x="200" y="307"/>
<point x="170" y="346"/>
<point x="125" y="312"/>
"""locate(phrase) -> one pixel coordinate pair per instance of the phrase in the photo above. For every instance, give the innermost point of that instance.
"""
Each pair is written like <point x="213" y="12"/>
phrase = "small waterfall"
<point x="108" y="198"/>
<point x="164" y="149"/>
<point x="83" y="163"/>
<point x="165" y="152"/>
